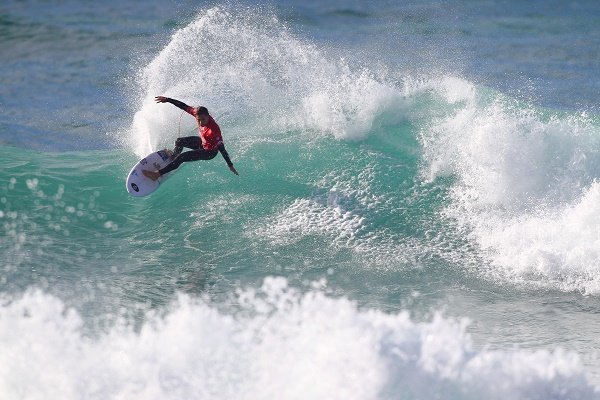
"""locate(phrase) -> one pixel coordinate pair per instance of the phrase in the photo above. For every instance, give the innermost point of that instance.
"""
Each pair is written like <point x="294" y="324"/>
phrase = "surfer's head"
<point x="202" y="115"/>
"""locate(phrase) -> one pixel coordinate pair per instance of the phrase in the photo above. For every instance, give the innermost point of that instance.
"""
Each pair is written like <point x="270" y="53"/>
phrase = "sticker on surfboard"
<point x="139" y="185"/>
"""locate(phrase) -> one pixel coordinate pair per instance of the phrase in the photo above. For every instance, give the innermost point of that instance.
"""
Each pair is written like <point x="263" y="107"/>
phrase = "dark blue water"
<point x="416" y="214"/>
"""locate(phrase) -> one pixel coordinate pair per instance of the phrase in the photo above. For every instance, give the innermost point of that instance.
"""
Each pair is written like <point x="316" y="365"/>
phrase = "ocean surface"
<point x="417" y="214"/>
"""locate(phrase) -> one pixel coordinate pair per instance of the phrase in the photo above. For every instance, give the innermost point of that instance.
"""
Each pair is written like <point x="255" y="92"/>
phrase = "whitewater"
<point x="407" y="225"/>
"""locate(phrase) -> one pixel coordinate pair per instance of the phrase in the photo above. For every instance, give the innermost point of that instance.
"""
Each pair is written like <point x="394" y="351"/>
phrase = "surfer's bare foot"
<point x="154" y="175"/>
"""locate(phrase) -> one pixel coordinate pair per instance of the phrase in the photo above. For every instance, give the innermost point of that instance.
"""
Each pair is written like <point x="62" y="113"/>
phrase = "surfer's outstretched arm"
<point x="177" y="103"/>
<point x="225" y="155"/>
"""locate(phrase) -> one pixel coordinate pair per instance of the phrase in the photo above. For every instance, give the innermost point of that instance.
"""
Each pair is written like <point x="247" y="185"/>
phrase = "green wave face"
<point x="299" y="207"/>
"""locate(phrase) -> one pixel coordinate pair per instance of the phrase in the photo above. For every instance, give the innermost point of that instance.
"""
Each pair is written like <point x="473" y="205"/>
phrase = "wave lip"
<point x="279" y="344"/>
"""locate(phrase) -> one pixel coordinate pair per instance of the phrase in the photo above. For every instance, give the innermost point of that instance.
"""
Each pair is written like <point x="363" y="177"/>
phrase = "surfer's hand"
<point x="161" y="99"/>
<point x="232" y="169"/>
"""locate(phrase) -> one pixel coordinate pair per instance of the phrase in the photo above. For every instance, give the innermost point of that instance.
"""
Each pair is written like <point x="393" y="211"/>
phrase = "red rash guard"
<point x="209" y="134"/>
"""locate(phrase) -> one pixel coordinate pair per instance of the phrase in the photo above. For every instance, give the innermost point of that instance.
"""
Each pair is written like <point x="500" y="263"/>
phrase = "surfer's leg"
<point x="191" y="142"/>
<point x="193" y="155"/>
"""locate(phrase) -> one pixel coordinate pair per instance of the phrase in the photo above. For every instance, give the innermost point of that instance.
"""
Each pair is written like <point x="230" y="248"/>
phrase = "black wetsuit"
<point x="197" y="153"/>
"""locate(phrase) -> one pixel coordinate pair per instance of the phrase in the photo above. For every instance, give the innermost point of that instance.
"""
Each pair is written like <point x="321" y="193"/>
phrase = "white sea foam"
<point x="526" y="186"/>
<point x="310" y="216"/>
<point x="280" y="344"/>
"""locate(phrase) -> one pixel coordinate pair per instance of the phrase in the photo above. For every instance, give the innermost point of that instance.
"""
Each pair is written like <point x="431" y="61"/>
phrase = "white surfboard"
<point x="139" y="185"/>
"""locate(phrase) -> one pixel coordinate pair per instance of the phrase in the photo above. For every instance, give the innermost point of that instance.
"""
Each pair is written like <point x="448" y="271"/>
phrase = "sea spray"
<point x="249" y="68"/>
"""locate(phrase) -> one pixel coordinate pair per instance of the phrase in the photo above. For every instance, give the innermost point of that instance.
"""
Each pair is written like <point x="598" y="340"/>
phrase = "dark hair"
<point x="202" y="111"/>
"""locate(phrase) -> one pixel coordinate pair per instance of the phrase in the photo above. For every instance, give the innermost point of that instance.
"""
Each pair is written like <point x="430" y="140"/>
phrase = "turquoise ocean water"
<point x="416" y="215"/>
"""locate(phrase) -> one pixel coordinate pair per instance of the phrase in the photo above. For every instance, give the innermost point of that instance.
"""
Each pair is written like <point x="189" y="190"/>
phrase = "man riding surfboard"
<point x="204" y="147"/>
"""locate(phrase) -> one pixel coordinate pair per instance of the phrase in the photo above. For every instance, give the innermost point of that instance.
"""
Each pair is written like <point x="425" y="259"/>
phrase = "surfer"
<point x="204" y="147"/>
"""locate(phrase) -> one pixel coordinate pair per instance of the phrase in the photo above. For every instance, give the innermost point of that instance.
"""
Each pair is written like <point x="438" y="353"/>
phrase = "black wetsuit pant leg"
<point x="197" y="153"/>
<point x="191" y="142"/>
